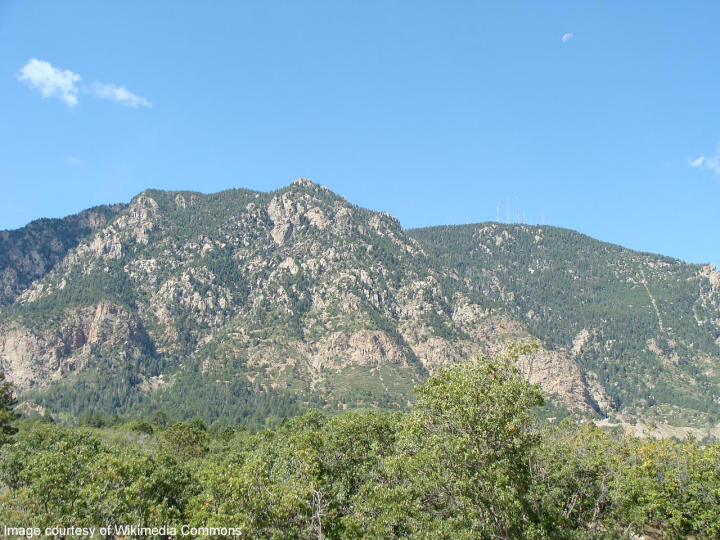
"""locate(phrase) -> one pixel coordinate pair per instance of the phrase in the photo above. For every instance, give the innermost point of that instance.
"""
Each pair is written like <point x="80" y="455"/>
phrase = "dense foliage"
<point x="469" y="461"/>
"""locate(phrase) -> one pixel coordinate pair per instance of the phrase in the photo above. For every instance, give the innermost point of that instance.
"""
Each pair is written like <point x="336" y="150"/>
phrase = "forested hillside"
<point x="29" y="253"/>
<point x="249" y="307"/>
<point x="644" y="325"/>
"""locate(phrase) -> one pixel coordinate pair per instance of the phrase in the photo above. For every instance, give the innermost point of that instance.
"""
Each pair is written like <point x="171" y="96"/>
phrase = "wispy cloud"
<point x="567" y="37"/>
<point x="120" y="94"/>
<point x="707" y="163"/>
<point x="51" y="81"/>
<point x="71" y="160"/>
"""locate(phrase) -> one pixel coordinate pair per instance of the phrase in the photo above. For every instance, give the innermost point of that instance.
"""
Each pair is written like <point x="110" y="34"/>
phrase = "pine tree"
<point x="7" y="415"/>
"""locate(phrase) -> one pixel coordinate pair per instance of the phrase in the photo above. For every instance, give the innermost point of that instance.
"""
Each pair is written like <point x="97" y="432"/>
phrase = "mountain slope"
<point x="245" y="305"/>
<point x="27" y="254"/>
<point x="646" y="327"/>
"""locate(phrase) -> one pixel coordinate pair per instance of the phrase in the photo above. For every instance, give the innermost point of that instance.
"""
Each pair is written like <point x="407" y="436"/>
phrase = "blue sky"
<point x="434" y="111"/>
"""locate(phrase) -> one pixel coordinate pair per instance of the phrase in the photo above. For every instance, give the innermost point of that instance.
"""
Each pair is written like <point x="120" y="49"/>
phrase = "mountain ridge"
<point x="295" y="298"/>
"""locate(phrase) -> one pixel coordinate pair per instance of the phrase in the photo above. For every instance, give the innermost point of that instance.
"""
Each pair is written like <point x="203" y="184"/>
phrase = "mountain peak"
<point x="304" y="182"/>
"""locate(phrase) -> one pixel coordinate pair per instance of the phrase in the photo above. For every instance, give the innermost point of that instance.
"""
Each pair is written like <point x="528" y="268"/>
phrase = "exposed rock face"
<point x="135" y="223"/>
<point x="291" y="214"/>
<point x="580" y="341"/>
<point x="361" y="348"/>
<point x="713" y="276"/>
<point x="435" y="352"/>
<point x="707" y="306"/>
<point x="597" y="393"/>
<point x="558" y="375"/>
<point x="33" y="357"/>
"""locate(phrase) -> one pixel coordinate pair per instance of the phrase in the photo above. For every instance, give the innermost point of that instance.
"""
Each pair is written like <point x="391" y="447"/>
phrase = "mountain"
<point x="249" y="306"/>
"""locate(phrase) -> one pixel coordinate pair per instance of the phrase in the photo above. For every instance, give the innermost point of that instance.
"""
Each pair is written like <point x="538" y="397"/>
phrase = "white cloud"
<point x="567" y="37"/>
<point x="707" y="163"/>
<point x="74" y="160"/>
<point x="120" y="94"/>
<point x="51" y="81"/>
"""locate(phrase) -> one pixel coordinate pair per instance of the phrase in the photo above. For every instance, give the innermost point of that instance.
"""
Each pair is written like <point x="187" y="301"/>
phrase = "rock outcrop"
<point x="35" y="356"/>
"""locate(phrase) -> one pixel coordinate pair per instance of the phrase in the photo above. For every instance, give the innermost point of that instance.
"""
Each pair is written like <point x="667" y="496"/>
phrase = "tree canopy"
<point x="469" y="461"/>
